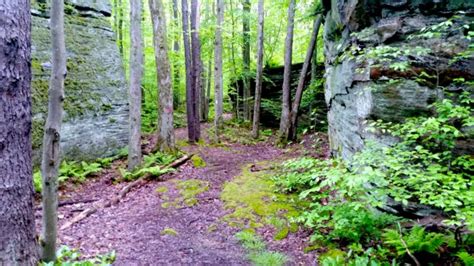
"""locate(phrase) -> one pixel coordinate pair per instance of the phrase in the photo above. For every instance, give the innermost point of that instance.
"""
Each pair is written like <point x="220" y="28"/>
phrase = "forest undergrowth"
<point x="360" y="213"/>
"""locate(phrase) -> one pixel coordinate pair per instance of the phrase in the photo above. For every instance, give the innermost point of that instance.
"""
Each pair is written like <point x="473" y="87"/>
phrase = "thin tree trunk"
<point x="259" y="78"/>
<point x="286" y="98"/>
<point x="176" y="70"/>
<point x="197" y="64"/>
<point x="208" y="87"/>
<point x="218" y="79"/>
<point x="246" y="57"/>
<point x="52" y="133"/>
<point x="136" y="72"/>
<point x="303" y="74"/>
<point x="190" y="92"/>
<point x="17" y="222"/>
<point x="120" y="26"/>
<point x="207" y="92"/>
<point x="163" y="71"/>
<point x="234" y="65"/>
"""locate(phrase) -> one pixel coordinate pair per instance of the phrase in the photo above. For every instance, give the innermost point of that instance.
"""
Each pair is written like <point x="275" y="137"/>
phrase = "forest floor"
<point x="159" y="224"/>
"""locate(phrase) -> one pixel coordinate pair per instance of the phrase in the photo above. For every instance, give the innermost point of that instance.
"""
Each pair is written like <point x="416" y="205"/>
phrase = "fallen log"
<point x="69" y="202"/>
<point x="87" y="212"/>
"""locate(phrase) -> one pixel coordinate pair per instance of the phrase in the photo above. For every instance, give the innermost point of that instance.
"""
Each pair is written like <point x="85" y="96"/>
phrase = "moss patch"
<point x="161" y="189"/>
<point x="254" y="203"/>
<point x="198" y="162"/>
<point x="188" y="191"/>
<point x="168" y="231"/>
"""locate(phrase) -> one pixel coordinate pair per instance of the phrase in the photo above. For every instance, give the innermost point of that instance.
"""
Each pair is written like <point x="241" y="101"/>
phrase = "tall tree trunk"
<point x="234" y="65"/>
<point x="163" y="71"/>
<point x="17" y="221"/>
<point x="303" y="74"/>
<point x="286" y="98"/>
<point x="176" y="69"/>
<point x="52" y="133"/>
<point x="246" y="57"/>
<point x="136" y="72"/>
<point x="120" y="25"/>
<point x="197" y="64"/>
<point x="218" y="79"/>
<point x="190" y="91"/>
<point x="259" y="78"/>
<point x="207" y="89"/>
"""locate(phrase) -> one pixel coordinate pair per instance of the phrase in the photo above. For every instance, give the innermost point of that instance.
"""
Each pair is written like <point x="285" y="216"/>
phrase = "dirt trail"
<point x="143" y="230"/>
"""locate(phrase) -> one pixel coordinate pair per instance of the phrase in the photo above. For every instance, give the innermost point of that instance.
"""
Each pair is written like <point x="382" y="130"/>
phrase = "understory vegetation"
<point x="411" y="201"/>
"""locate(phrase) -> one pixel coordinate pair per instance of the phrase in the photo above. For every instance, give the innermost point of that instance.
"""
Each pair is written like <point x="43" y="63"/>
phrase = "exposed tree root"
<point x="142" y="180"/>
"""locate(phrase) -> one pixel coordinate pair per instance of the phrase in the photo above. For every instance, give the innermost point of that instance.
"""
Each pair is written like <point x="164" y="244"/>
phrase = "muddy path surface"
<point x="155" y="225"/>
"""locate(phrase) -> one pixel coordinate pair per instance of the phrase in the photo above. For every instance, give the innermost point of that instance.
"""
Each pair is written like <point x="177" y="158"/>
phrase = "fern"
<point x="417" y="240"/>
<point x="466" y="258"/>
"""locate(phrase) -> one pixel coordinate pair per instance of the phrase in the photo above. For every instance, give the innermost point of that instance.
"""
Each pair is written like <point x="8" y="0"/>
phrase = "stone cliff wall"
<point x="96" y="101"/>
<point x="391" y="59"/>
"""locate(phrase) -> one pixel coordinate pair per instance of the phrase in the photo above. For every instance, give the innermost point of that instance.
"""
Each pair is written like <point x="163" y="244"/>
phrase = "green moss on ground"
<point x="188" y="191"/>
<point x="198" y="161"/>
<point x="254" y="203"/>
<point x="168" y="231"/>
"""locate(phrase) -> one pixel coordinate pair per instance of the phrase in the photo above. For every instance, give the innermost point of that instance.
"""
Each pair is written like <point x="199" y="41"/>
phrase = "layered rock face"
<point x="391" y="59"/>
<point x="96" y="99"/>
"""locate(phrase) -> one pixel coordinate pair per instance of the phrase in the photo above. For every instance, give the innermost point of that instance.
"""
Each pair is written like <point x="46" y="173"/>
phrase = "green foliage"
<point x="466" y="258"/>
<point x="421" y="168"/>
<point x="72" y="171"/>
<point x="257" y="250"/>
<point x="152" y="165"/>
<point x="250" y="241"/>
<point x="416" y="240"/>
<point x="71" y="257"/>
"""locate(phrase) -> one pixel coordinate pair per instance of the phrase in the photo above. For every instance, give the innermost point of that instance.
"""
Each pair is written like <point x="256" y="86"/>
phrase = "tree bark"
<point x="52" y="134"/>
<point x="259" y="78"/>
<point x="234" y="65"/>
<point x="197" y="65"/>
<point x="17" y="221"/>
<point x="303" y="74"/>
<point x="136" y="72"/>
<point x="206" y="95"/>
<point x="176" y="72"/>
<point x="286" y="98"/>
<point x="163" y="70"/>
<point x="246" y="57"/>
<point x="120" y="26"/>
<point x="218" y="79"/>
<point x="190" y="91"/>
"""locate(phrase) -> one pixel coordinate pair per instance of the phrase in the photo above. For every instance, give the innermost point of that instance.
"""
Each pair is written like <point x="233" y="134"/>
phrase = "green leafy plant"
<point x="72" y="171"/>
<point x="258" y="254"/>
<point x="153" y="164"/>
<point x="416" y="240"/>
<point x="71" y="257"/>
<point x="466" y="258"/>
<point x="420" y="169"/>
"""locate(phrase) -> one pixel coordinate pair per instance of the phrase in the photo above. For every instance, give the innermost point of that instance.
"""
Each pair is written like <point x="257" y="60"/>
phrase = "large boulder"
<point x="390" y="60"/>
<point x="96" y="101"/>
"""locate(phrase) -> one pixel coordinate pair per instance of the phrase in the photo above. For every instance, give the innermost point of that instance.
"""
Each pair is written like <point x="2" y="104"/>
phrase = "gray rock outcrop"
<point x="390" y="60"/>
<point x="96" y="99"/>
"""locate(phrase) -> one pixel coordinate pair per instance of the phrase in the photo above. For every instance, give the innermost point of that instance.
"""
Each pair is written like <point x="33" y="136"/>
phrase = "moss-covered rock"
<point x="390" y="60"/>
<point x="96" y="102"/>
